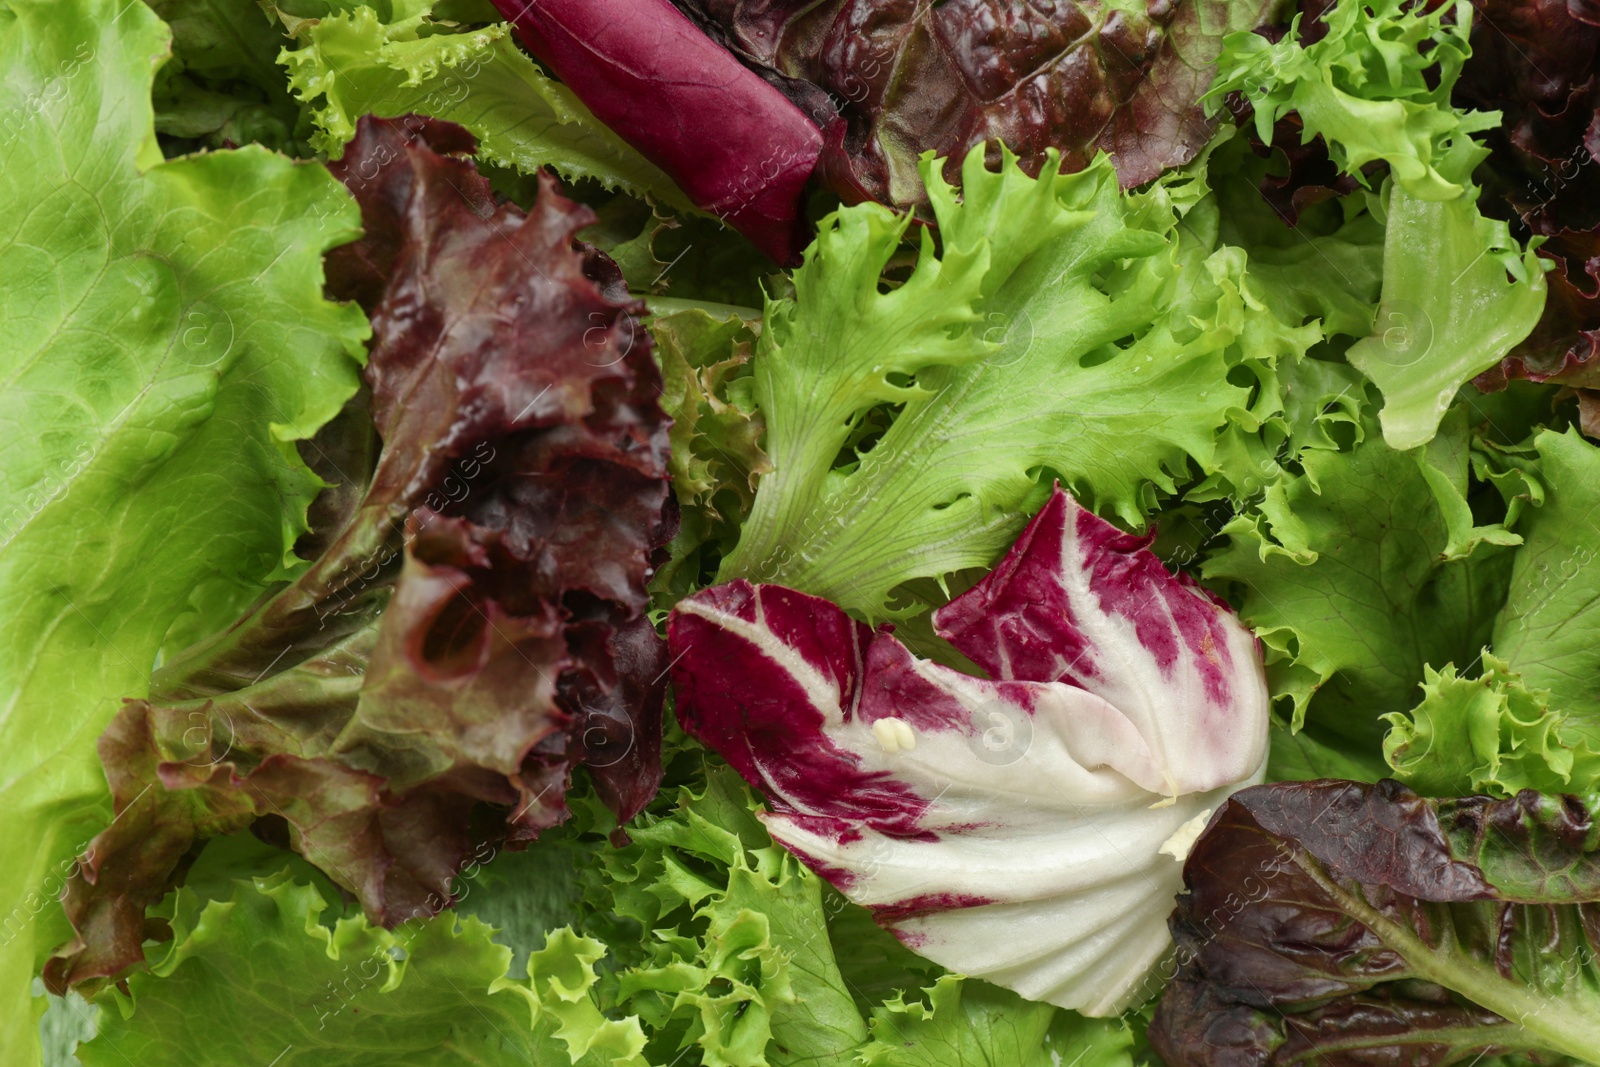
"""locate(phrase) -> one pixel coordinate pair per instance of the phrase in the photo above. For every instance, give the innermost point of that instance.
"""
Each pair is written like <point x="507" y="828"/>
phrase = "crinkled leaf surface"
<point x="1020" y="829"/>
<point x="1346" y="922"/>
<point x="1065" y="326"/>
<point x="1376" y="85"/>
<point x="1534" y="62"/>
<point x="734" y="961"/>
<point x="474" y="626"/>
<point x="350" y="63"/>
<point x="1342" y="573"/>
<point x="1489" y="734"/>
<point x="1546" y="629"/>
<point x="893" y="80"/>
<point x="165" y="342"/>
<point x="717" y="456"/>
<point x="262" y="977"/>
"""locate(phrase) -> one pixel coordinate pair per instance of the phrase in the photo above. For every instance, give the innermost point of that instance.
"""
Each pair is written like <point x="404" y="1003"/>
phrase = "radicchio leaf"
<point x="1356" y="924"/>
<point x="1020" y="828"/>
<point x="474" y="627"/>
<point x="734" y="144"/>
<point x="906" y="77"/>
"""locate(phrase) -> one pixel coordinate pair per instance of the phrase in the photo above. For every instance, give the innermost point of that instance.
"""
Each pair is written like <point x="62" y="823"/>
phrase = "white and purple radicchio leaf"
<point x="1028" y="828"/>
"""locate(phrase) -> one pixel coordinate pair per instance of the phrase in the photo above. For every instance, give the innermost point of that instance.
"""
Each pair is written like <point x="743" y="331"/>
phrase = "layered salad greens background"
<point x="370" y="404"/>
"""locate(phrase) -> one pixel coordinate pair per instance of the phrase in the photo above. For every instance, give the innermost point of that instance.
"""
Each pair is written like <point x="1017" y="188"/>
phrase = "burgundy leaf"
<point x="1359" y="925"/>
<point x="734" y="144"/>
<point x="908" y="77"/>
<point x="474" y="627"/>
<point x="1537" y="62"/>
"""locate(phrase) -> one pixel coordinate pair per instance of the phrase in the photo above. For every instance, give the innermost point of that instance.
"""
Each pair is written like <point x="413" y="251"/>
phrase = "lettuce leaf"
<point x="970" y="1024"/>
<point x="1018" y="827"/>
<point x="263" y="976"/>
<point x="1534" y="62"/>
<point x="1063" y="326"/>
<point x="890" y="82"/>
<point x="1375" y="85"/>
<point x="352" y="63"/>
<point x="739" y="149"/>
<point x="223" y="86"/>
<point x="165" y="343"/>
<point x="473" y="626"/>
<point x="731" y="957"/>
<point x="1546" y="629"/>
<point x="1353" y="924"/>
<point x="1343" y="572"/>
<point x="1490" y="735"/>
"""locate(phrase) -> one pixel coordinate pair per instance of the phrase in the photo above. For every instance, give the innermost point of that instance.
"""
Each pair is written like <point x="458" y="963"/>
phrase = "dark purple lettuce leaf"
<point x="733" y="143"/>
<point x="473" y="628"/>
<point x="1538" y="63"/>
<point x="1355" y="924"/>
<point x="906" y="76"/>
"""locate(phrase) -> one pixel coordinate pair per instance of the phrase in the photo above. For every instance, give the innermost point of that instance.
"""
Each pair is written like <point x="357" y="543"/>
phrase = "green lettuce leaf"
<point x="1065" y="327"/>
<point x="1546" y="631"/>
<point x="1489" y="735"/>
<point x="1376" y="88"/>
<point x="1342" y="572"/>
<point x="1448" y="311"/>
<point x="716" y="458"/>
<point x="973" y="1024"/>
<point x="728" y="950"/>
<point x="223" y="82"/>
<point x="351" y="63"/>
<point x="164" y="343"/>
<point x="263" y="978"/>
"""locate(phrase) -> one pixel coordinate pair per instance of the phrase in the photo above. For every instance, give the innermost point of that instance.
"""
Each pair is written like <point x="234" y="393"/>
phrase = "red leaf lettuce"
<point x="473" y="626"/>
<point x="1357" y="924"/>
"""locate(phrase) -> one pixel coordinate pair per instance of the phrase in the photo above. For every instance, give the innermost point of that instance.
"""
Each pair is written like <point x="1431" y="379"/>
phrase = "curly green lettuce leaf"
<point x="1376" y="87"/>
<point x="1311" y="291"/>
<point x="1546" y="631"/>
<point x="964" y="1023"/>
<point x="717" y="458"/>
<point x="1489" y="735"/>
<point x="1065" y="326"/>
<point x="351" y="63"/>
<point x="164" y="343"/>
<point x="1342" y="571"/>
<point x="734" y="958"/>
<point x="264" y="977"/>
